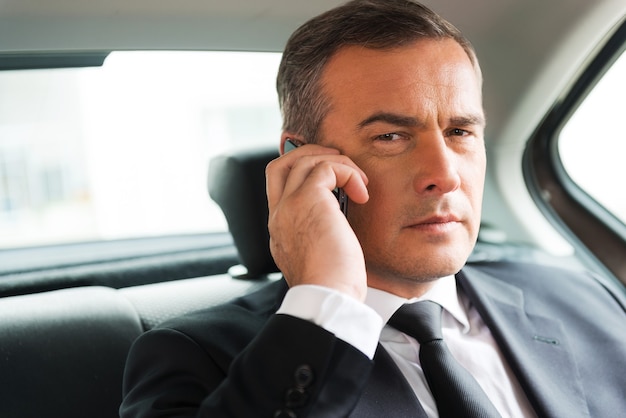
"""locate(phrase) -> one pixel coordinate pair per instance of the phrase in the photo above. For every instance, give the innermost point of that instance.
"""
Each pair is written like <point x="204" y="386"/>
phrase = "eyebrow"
<point x="410" y="121"/>
<point x="390" y="118"/>
<point x="469" y="120"/>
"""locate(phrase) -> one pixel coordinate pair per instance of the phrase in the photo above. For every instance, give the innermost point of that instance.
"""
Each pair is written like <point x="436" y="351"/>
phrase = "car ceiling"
<point x="515" y="41"/>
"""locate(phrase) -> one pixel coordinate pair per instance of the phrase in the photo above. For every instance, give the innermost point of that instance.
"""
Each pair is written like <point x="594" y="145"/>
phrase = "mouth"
<point x="437" y="223"/>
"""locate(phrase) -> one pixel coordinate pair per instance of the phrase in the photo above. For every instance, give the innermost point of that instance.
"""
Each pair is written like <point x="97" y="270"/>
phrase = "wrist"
<point x="347" y="318"/>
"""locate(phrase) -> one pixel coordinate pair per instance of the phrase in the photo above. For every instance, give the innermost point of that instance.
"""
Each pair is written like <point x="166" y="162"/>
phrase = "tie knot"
<point x="420" y="320"/>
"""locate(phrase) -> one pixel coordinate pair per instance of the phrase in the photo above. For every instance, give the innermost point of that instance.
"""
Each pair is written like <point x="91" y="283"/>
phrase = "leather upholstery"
<point x="237" y="184"/>
<point x="62" y="353"/>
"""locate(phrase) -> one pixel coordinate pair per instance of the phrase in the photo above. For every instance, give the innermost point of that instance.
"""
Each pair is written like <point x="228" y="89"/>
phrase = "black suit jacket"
<point x="563" y="334"/>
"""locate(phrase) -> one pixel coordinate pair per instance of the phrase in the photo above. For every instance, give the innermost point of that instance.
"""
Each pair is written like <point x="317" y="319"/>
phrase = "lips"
<point x="439" y="225"/>
<point x="434" y="221"/>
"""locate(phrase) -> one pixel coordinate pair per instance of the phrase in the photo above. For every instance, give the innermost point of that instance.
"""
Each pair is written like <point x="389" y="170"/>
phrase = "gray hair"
<point x="376" y="24"/>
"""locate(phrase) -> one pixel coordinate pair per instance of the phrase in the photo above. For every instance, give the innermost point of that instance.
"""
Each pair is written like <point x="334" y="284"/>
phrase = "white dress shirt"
<point x="465" y="333"/>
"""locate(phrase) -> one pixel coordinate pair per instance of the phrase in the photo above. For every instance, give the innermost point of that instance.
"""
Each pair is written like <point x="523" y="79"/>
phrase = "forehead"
<point x="436" y="70"/>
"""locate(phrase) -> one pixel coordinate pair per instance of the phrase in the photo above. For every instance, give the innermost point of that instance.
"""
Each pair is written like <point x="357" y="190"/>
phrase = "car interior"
<point x="70" y="311"/>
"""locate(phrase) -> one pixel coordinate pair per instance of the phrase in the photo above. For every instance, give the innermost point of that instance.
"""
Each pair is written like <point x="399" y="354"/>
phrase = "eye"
<point x="389" y="143"/>
<point x="389" y="137"/>
<point x="458" y="132"/>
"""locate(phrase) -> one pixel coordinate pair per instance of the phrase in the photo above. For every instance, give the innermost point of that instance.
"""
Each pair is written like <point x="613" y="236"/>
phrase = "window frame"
<point x="598" y="236"/>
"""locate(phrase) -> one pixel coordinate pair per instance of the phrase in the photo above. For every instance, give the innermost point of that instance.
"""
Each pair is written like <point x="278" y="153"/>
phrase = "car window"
<point x="592" y="144"/>
<point x="122" y="150"/>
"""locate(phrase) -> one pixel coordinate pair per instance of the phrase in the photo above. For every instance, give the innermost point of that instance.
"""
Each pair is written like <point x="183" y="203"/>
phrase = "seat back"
<point x="62" y="353"/>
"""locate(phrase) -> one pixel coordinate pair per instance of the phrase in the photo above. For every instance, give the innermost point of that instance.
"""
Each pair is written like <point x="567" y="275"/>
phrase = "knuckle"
<point x="270" y="167"/>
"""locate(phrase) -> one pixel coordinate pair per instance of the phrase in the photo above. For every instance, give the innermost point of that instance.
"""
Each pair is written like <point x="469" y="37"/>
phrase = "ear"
<point x="293" y="137"/>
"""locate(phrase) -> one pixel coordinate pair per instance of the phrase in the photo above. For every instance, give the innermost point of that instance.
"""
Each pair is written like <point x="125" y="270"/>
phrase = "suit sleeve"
<point x="292" y="367"/>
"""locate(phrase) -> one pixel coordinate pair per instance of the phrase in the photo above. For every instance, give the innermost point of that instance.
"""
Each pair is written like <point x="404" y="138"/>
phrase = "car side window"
<point x="592" y="143"/>
<point x="572" y="163"/>
<point x="122" y="150"/>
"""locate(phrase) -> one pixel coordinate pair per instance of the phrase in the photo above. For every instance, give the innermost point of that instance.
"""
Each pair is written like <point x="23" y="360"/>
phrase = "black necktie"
<point x="456" y="392"/>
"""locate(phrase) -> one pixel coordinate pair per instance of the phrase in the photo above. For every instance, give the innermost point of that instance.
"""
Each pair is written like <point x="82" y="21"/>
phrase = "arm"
<point x="310" y="238"/>
<point x="169" y="374"/>
<point x="313" y="244"/>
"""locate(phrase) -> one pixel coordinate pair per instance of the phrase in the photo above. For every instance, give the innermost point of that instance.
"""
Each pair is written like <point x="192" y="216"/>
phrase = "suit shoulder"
<point x="237" y="321"/>
<point x="549" y="281"/>
<point x="527" y="273"/>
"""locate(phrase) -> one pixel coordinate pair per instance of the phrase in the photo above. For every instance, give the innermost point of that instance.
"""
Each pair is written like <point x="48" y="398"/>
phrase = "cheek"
<point x="372" y="216"/>
<point x="474" y="187"/>
<point x="375" y="206"/>
<point x="384" y="186"/>
<point x="477" y="180"/>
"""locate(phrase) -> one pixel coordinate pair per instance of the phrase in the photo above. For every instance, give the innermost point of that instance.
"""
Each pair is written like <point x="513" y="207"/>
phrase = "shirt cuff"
<point x="347" y="318"/>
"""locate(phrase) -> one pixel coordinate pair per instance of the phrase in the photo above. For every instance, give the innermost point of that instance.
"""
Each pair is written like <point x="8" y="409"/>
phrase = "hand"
<point x="310" y="238"/>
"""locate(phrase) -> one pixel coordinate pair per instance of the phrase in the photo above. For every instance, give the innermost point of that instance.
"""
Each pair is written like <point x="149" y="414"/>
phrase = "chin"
<point x="438" y="264"/>
<point x="419" y="260"/>
<point x="424" y="268"/>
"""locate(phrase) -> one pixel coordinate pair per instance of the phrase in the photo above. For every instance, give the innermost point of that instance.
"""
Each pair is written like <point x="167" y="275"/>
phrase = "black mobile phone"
<point x="338" y="192"/>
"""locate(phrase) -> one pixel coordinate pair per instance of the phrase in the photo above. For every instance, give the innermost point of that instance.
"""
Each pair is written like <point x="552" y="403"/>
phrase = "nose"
<point x="436" y="166"/>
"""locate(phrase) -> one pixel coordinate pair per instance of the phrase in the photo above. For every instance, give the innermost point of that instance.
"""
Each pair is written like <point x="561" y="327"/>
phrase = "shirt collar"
<point x="444" y="292"/>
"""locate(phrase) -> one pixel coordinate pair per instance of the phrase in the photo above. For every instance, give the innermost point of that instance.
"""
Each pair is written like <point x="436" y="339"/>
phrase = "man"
<point x="385" y="99"/>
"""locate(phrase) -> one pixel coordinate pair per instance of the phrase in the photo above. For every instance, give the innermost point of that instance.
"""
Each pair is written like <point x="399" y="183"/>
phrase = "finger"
<point x="278" y="170"/>
<point x="353" y="184"/>
<point x="336" y="170"/>
<point x="328" y="175"/>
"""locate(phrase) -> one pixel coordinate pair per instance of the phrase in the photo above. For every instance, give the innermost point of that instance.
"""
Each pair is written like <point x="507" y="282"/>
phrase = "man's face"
<point x="412" y="119"/>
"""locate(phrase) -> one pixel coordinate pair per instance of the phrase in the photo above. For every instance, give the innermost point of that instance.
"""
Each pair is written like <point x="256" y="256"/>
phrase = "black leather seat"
<point x="237" y="184"/>
<point x="62" y="353"/>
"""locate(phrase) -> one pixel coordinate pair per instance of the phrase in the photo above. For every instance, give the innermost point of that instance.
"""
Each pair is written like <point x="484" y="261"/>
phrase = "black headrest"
<point x="237" y="184"/>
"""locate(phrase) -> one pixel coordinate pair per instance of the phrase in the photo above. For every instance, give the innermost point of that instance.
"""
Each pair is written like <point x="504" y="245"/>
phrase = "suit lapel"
<point x="387" y="390"/>
<point x="535" y="346"/>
